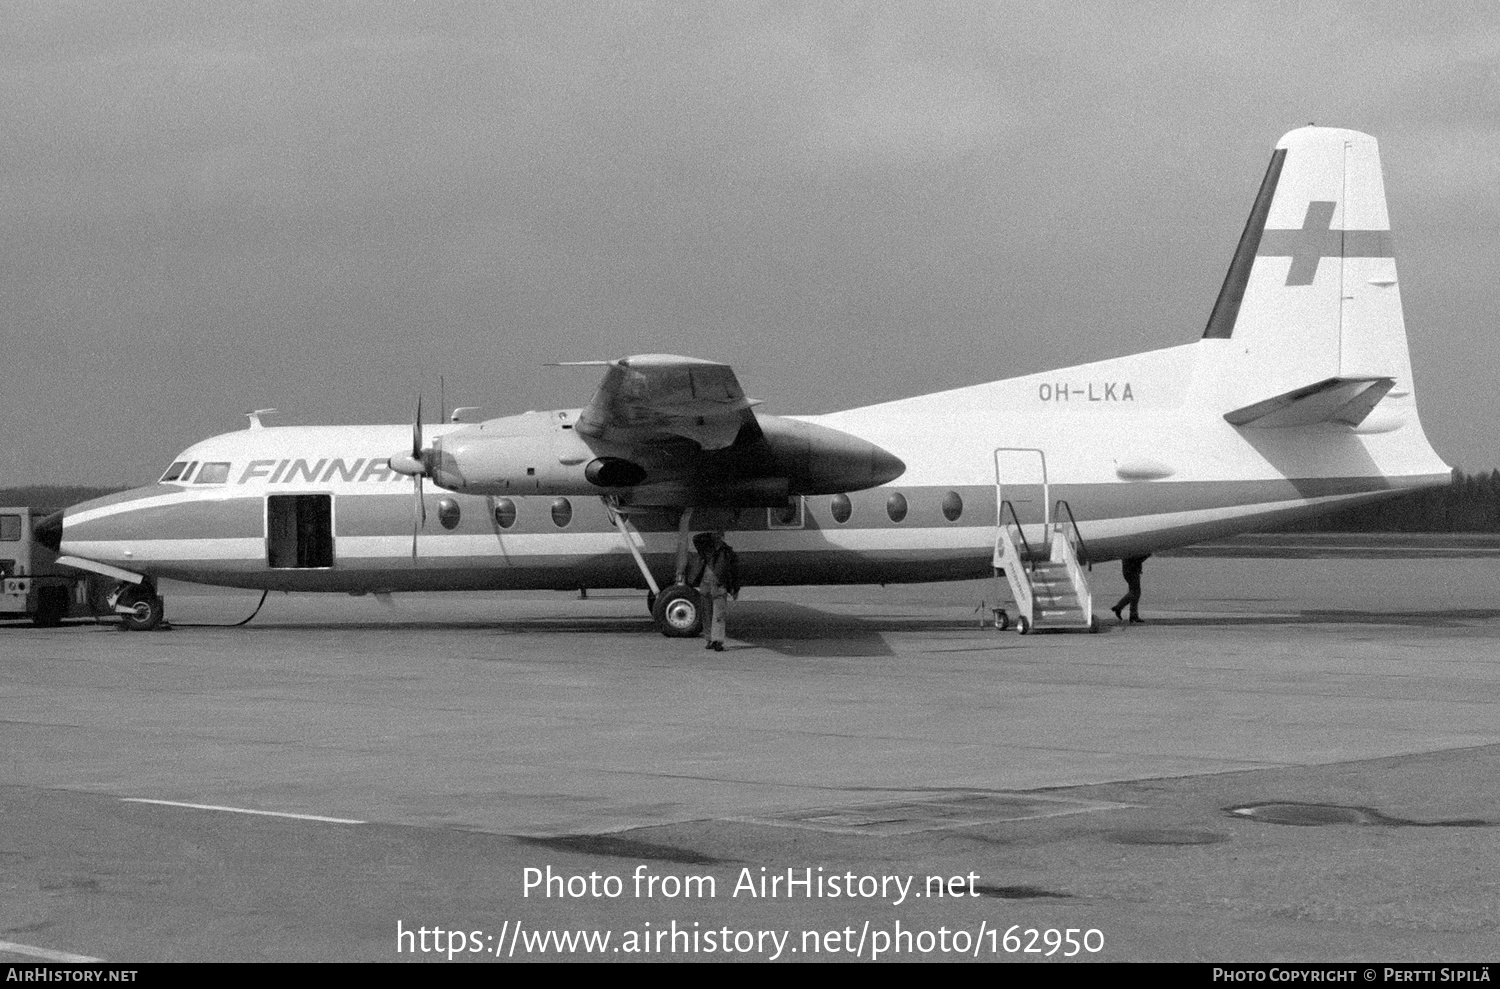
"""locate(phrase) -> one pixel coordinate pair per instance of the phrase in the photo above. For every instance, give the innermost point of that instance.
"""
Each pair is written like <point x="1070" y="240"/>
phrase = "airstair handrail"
<point x="1082" y="546"/>
<point x="1007" y="506"/>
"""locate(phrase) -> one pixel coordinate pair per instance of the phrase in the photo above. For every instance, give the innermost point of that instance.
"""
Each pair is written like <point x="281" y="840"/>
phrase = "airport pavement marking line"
<point x="959" y="809"/>
<point x="243" y="810"/>
<point x="46" y="954"/>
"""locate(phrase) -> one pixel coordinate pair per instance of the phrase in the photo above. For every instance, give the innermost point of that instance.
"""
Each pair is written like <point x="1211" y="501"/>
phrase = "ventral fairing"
<point x="1297" y="400"/>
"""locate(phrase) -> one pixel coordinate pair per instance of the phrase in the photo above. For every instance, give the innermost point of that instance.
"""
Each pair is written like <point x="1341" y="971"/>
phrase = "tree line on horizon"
<point x="42" y="498"/>
<point x="1469" y="503"/>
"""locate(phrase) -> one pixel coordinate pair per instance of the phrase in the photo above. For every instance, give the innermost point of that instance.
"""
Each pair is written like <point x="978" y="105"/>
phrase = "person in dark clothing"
<point x="718" y="570"/>
<point x="1130" y="568"/>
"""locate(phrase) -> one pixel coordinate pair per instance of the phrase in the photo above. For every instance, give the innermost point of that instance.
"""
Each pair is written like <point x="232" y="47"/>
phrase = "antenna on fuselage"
<point x="254" y="417"/>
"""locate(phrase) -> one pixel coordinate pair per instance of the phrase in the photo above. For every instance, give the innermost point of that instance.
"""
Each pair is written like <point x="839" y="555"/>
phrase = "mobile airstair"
<point x="1043" y="563"/>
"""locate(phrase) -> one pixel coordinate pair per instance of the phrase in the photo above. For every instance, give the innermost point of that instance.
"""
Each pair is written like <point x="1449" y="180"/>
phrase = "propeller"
<point x="416" y="466"/>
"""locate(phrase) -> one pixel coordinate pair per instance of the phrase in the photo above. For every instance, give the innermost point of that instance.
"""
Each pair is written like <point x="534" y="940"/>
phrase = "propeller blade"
<point x="418" y="515"/>
<point x="416" y="432"/>
<point x="419" y="510"/>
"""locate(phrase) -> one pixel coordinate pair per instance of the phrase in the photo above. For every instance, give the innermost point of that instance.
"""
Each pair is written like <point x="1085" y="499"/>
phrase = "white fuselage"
<point x="1136" y="446"/>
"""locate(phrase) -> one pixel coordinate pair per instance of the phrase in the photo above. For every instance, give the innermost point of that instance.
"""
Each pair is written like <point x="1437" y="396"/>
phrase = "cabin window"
<point x="175" y="471"/>
<point x="953" y="506"/>
<point x="840" y="507"/>
<point x="895" y="506"/>
<point x="213" y="474"/>
<point x="505" y="513"/>
<point x="10" y="528"/>
<point x="562" y="512"/>
<point x="788" y="516"/>
<point x="448" y="513"/>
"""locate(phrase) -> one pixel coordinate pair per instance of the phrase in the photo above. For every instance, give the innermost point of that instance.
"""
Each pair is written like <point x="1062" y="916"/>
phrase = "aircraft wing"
<point x="661" y="395"/>
<point x="662" y="430"/>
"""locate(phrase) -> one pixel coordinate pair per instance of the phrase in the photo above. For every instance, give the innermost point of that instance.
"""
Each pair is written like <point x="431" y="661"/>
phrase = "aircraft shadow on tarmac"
<point x="1453" y="618"/>
<point x="797" y="630"/>
<point x="788" y="629"/>
<point x="800" y="630"/>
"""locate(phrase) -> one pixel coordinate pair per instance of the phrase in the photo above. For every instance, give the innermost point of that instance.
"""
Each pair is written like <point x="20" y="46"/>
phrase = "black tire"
<point x="1002" y="619"/>
<point x="145" y="613"/>
<point x="51" y="606"/>
<point x="679" y="612"/>
<point x="1023" y="625"/>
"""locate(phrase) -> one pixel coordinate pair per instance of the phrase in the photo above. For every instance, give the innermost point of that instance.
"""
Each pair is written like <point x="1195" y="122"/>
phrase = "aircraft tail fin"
<point x="1311" y="301"/>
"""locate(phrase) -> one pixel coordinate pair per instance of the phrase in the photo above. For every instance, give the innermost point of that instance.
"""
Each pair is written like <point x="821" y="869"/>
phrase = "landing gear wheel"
<point x="51" y="607"/>
<point x="146" y="610"/>
<point x="679" y="612"/>
<point x="1023" y="625"/>
<point x="1002" y="619"/>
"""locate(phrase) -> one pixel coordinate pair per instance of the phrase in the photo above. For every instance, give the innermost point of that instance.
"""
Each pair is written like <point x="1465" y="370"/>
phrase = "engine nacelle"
<point x="540" y="453"/>
<point x="819" y="460"/>
<point x="537" y="453"/>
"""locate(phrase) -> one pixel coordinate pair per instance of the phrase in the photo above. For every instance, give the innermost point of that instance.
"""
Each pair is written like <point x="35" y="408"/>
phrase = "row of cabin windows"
<point x="182" y="473"/>
<point x="505" y="513"/>
<point x="839" y="506"/>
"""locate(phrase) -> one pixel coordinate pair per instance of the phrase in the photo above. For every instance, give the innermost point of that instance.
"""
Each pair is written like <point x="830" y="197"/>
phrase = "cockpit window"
<point x="213" y="474"/>
<point x="174" y="471"/>
<point x="10" y="528"/>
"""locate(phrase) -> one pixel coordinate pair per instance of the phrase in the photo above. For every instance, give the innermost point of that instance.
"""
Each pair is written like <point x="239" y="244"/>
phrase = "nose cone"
<point x="112" y="527"/>
<point x="885" y="466"/>
<point x="48" y="532"/>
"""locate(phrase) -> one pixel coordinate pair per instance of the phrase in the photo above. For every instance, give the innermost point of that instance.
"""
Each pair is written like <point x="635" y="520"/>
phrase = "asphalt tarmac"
<point x="1294" y="759"/>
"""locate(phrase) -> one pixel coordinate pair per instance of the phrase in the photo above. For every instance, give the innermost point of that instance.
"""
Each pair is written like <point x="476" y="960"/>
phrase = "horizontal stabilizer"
<point x="1340" y="400"/>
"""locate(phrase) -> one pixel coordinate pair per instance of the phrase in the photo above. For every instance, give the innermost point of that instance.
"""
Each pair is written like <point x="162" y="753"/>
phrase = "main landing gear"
<point x="139" y="606"/>
<point x="679" y="612"/>
<point x="678" y="609"/>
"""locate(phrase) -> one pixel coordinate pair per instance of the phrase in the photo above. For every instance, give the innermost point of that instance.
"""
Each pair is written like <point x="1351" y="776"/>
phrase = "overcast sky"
<point x="216" y="207"/>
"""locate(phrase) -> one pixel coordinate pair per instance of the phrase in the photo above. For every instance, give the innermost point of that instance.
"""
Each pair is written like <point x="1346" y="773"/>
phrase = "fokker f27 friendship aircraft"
<point x="1297" y="400"/>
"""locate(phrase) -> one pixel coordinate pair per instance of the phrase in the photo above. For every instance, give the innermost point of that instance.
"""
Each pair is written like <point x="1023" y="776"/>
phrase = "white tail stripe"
<point x="46" y="954"/>
<point x="242" y="810"/>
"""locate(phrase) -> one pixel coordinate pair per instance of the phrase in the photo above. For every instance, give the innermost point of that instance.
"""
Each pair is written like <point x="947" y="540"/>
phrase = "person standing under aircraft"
<point x="717" y="569"/>
<point x="1130" y="567"/>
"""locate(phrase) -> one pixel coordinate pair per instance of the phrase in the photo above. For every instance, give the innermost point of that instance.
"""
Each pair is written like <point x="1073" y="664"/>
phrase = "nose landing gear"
<point x="139" y="606"/>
